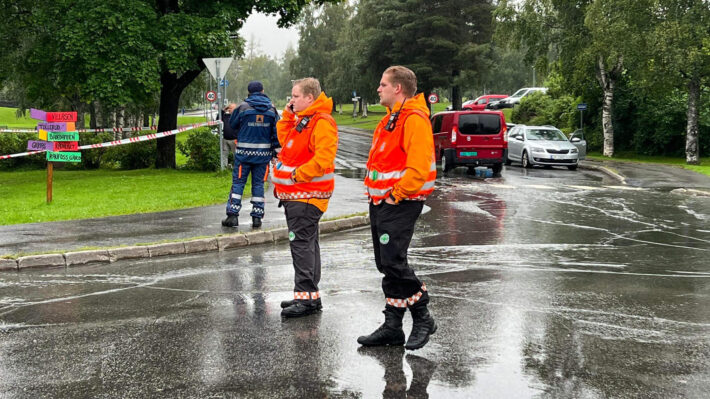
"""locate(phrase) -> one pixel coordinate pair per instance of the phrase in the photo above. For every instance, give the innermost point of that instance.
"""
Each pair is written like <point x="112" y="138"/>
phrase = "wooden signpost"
<point x="58" y="137"/>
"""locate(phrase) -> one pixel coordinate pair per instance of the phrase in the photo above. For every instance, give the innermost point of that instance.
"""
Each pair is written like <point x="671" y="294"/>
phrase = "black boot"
<point x="299" y="309"/>
<point x="285" y="304"/>
<point x="389" y="333"/>
<point x="422" y="327"/>
<point x="255" y="222"/>
<point x="231" y="221"/>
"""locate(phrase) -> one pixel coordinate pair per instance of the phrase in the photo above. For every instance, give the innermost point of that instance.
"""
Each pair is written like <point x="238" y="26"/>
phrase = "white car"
<point x="514" y="99"/>
<point x="541" y="145"/>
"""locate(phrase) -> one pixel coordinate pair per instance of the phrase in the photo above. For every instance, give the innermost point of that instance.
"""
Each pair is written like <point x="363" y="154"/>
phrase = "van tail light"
<point x="505" y="133"/>
<point x="454" y="132"/>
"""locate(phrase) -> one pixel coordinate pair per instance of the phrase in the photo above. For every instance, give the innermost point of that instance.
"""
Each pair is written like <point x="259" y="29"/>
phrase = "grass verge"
<point x="703" y="168"/>
<point x="97" y="193"/>
<point x="374" y="114"/>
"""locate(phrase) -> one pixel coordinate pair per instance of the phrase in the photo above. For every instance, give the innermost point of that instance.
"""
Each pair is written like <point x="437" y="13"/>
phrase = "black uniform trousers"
<point x="392" y="229"/>
<point x="302" y="219"/>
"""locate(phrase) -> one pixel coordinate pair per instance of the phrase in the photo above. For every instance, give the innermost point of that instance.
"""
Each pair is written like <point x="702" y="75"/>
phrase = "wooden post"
<point x="50" y="176"/>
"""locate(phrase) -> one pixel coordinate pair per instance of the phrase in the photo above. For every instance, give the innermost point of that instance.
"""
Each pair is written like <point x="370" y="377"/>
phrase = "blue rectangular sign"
<point x="581" y="107"/>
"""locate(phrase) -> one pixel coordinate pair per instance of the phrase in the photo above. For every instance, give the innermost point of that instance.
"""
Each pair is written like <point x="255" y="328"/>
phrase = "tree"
<point x="598" y="38"/>
<point x="681" y="58"/>
<point x="80" y="51"/>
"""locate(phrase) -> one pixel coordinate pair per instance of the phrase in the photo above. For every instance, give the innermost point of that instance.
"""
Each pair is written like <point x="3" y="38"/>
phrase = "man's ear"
<point x="398" y="89"/>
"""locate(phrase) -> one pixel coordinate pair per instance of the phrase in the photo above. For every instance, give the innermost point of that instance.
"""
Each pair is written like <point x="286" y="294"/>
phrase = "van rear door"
<point x="481" y="135"/>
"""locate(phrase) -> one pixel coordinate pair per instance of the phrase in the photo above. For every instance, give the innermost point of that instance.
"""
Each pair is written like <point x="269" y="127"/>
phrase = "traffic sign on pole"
<point x="211" y="96"/>
<point x="433" y="98"/>
<point x="582" y="106"/>
<point x="217" y="66"/>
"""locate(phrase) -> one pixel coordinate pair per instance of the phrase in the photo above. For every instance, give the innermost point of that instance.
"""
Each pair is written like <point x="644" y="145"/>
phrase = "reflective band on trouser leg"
<point x="397" y="303"/>
<point x="304" y="296"/>
<point x="416" y="297"/>
<point x="403" y="303"/>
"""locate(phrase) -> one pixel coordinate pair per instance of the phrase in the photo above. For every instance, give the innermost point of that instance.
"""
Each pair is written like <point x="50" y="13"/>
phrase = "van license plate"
<point x="469" y="154"/>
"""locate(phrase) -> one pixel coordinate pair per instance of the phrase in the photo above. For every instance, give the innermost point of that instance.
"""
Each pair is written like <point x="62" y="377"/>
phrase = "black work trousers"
<point x="392" y="229"/>
<point x="302" y="219"/>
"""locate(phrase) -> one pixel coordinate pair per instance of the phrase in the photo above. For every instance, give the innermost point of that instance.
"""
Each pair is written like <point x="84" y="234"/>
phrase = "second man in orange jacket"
<point x="304" y="180"/>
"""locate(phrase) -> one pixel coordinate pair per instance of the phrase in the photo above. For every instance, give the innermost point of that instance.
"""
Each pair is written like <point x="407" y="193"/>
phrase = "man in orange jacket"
<point x="303" y="181"/>
<point x="401" y="170"/>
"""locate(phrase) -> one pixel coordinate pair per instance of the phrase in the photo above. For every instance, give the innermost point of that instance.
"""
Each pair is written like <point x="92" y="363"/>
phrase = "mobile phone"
<point x="290" y="106"/>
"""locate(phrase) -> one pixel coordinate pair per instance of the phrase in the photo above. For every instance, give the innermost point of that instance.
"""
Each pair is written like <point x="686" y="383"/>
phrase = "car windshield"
<point x="479" y="124"/>
<point x="545" y="134"/>
<point x="520" y="93"/>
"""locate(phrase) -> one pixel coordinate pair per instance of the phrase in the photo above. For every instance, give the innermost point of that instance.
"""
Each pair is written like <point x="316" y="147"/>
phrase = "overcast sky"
<point x="271" y="40"/>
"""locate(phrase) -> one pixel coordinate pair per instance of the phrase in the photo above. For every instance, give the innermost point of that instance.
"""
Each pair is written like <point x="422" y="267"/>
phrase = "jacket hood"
<point x="415" y="103"/>
<point x="321" y="104"/>
<point x="259" y="101"/>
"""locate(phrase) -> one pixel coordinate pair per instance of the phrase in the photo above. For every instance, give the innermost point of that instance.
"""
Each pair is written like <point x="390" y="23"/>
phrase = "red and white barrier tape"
<point x="129" y="140"/>
<point x="114" y="130"/>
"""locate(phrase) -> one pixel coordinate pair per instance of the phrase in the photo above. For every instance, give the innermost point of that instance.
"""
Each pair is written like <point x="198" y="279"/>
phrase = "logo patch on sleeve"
<point x="384" y="239"/>
<point x="291" y="236"/>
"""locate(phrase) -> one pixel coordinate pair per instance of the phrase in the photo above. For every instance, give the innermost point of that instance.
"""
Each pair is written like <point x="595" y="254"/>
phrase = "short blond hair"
<point x="308" y="86"/>
<point x="404" y="76"/>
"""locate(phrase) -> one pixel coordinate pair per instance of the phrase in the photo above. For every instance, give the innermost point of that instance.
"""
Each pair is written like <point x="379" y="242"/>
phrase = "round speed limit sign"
<point x="211" y="96"/>
<point x="433" y="98"/>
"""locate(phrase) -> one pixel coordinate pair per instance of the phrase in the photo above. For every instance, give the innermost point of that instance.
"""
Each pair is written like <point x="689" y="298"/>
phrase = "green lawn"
<point x="97" y="193"/>
<point x="8" y="117"/>
<point x="703" y="168"/>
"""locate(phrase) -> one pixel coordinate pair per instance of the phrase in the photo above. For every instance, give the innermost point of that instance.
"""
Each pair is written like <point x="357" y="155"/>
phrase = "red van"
<point x="470" y="138"/>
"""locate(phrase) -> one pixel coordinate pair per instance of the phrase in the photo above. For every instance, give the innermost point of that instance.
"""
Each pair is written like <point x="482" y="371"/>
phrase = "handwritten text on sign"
<point x="34" y="145"/>
<point x="61" y="116"/>
<point x="66" y="146"/>
<point x="64" y="156"/>
<point x="57" y="126"/>
<point x="63" y="136"/>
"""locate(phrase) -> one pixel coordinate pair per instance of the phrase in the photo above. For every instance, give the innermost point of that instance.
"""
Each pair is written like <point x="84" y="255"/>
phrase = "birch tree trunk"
<point x="607" y="80"/>
<point x="692" y="151"/>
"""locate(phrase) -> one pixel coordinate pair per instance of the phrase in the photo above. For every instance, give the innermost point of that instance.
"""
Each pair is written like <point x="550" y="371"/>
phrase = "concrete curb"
<point x="605" y="170"/>
<point x="220" y="243"/>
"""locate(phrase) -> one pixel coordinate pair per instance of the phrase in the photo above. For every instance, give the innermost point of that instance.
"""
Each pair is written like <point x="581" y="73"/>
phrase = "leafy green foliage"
<point x="202" y="150"/>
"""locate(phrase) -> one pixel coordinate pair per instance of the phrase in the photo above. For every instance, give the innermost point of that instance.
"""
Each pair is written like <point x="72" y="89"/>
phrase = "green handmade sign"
<point x="63" y="136"/>
<point x="63" y="156"/>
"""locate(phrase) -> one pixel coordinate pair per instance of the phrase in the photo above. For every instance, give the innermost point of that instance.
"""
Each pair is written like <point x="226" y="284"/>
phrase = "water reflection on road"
<point x="544" y="283"/>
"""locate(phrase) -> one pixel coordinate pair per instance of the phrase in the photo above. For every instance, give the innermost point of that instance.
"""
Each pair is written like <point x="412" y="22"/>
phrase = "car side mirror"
<point x="575" y="140"/>
<point x="519" y="138"/>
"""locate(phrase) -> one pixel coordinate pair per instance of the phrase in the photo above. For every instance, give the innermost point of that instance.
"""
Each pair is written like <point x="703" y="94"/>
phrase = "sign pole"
<point x="581" y="112"/>
<point x="50" y="177"/>
<point x="219" y="117"/>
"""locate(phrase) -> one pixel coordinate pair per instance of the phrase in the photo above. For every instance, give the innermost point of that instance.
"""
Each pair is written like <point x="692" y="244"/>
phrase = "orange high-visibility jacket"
<point x="402" y="161"/>
<point x="306" y="163"/>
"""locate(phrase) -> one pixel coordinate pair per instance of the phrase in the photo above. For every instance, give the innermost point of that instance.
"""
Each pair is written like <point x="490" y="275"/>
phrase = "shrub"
<point x="133" y="156"/>
<point x="13" y="143"/>
<point x="201" y="149"/>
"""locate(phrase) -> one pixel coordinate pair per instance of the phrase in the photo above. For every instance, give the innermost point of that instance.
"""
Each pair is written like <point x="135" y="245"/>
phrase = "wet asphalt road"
<point x="545" y="283"/>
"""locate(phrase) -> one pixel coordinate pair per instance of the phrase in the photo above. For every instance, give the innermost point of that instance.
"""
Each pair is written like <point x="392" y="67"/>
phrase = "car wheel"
<point x="526" y="161"/>
<point x="572" y="167"/>
<point x="446" y="164"/>
<point x="497" y="168"/>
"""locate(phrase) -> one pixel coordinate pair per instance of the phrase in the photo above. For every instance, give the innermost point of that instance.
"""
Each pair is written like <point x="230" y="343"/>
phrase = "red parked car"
<point x="480" y="103"/>
<point x="470" y="138"/>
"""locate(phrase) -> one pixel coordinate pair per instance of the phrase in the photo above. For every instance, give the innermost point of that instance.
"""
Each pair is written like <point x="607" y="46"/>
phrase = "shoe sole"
<point x="294" y="316"/>
<point x="284" y="306"/>
<point x="413" y="348"/>
<point x="374" y="345"/>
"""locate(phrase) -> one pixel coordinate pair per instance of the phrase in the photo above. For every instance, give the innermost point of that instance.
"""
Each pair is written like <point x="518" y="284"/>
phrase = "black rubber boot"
<point x="231" y="221"/>
<point x="255" y="221"/>
<point x="389" y="333"/>
<point x="299" y="309"/>
<point x="285" y="304"/>
<point x="422" y="327"/>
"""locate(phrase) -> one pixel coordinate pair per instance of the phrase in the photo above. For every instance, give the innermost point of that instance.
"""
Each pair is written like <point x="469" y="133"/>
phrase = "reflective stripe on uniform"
<point x="257" y="199"/>
<point x="236" y="196"/>
<point x="304" y="195"/>
<point x="375" y="175"/>
<point x="427" y="185"/>
<point x="304" y="296"/>
<point x="289" y="182"/>
<point x="402" y="303"/>
<point x="252" y="145"/>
